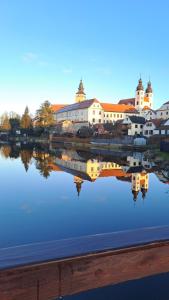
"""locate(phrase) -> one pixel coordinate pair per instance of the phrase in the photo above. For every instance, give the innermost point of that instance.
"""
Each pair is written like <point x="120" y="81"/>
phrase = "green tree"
<point x="5" y="124"/>
<point x="26" y="121"/>
<point x="45" y="115"/>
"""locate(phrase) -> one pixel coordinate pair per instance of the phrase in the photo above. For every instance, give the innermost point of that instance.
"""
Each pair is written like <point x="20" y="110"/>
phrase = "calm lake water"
<point x="49" y="194"/>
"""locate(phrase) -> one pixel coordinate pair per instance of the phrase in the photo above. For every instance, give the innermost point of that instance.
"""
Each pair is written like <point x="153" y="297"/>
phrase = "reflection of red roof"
<point x="54" y="167"/>
<point x="113" y="172"/>
<point x="121" y="108"/>
<point x="56" y="107"/>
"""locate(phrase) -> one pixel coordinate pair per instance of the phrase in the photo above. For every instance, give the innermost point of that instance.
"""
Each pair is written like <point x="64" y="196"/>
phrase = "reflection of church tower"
<point x="78" y="181"/>
<point x="80" y="95"/>
<point x="144" y="192"/>
<point x="139" y="183"/>
<point x="135" y="194"/>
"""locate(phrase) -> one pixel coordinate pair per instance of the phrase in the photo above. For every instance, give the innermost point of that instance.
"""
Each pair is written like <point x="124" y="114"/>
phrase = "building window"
<point x="93" y="120"/>
<point x="141" y="126"/>
<point x="114" y="115"/>
<point x="136" y="126"/>
<point x="110" y="115"/>
<point x="100" y="120"/>
<point x="93" y="112"/>
<point x="117" y="115"/>
<point x="137" y="103"/>
<point x="100" y="112"/>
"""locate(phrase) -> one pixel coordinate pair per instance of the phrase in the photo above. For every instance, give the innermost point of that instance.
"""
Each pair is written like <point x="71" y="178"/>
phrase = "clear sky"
<point x="48" y="45"/>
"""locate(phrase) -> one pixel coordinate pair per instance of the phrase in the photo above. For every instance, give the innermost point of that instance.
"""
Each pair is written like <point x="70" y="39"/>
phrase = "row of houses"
<point x="136" y="125"/>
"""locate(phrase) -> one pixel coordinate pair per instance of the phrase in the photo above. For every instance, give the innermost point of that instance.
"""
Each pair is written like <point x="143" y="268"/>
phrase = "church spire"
<point x="140" y="85"/>
<point x="81" y="88"/>
<point x="149" y="88"/>
<point x="80" y="95"/>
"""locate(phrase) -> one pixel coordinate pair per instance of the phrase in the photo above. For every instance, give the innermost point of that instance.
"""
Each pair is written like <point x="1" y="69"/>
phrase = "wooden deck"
<point x="47" y="270"/>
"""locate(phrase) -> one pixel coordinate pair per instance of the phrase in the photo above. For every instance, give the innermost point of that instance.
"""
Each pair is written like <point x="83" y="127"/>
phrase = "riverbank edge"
<point x="85" y="143"/>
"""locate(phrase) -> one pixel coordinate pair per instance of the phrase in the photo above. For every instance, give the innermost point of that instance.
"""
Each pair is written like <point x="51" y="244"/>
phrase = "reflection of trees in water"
<point x="44" y="166"/>
<point x="5" y="151"/>
<point x="10" y="151"/>
<point x="26" y="156"/>
<point x="43" y="159"/>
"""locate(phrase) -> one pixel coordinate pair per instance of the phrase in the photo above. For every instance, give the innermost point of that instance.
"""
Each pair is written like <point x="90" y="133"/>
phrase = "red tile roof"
<point x="117" y="107"/>
<point x="56" y="107"/>
<point x="130" y="101"/>
<point x="156" y="122"/>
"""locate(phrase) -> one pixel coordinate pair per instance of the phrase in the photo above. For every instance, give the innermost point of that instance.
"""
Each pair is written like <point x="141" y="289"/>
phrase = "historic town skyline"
<point x="46" y="57"/>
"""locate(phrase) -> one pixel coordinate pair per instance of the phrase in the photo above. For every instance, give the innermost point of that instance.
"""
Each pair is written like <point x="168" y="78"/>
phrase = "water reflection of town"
<point x="90" y="166"/>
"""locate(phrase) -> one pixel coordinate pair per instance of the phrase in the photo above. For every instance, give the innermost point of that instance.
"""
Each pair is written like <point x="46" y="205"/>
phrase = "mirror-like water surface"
<point x="54" y="193"/>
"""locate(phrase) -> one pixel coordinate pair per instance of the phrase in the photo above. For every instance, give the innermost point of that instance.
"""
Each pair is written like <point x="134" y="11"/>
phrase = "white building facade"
<point x="134" y="124"/>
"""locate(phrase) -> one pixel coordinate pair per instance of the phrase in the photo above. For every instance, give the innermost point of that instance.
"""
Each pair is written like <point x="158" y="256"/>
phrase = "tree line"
<point x="44" y="117"/>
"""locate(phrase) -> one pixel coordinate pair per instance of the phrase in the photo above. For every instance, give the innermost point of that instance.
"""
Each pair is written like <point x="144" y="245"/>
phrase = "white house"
<point x="89" y="111"/>
<point x="151" y="127"/>
<point x="148" y="113"/>
<point x="163" y="111"/>
<point x="163" y="129"/>
<point x="134" y="124"/>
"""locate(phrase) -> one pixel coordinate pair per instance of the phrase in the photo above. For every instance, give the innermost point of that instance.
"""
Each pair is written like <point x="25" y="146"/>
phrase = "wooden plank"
<point x="84" y="267"/>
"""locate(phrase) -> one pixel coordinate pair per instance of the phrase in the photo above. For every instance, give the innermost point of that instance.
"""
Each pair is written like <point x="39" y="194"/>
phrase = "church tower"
<point x="149" y="95"/>
<point x="139" y="99"/>
<point x="80" y="95"/>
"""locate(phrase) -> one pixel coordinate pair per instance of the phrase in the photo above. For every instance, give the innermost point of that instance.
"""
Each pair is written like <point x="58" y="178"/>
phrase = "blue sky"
<point x="47" y="46"/>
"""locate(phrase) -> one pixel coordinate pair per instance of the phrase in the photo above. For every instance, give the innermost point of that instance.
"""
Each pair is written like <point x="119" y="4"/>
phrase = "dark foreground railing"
<point x="46" y="270"/>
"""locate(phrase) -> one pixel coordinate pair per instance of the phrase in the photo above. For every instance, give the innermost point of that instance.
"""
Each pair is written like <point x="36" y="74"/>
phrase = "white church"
<point x="93" y="111"/>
